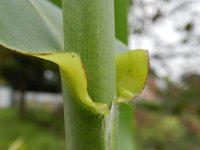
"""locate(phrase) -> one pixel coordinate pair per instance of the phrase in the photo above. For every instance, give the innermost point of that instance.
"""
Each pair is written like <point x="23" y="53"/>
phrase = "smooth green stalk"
<point x="89" y="32"/>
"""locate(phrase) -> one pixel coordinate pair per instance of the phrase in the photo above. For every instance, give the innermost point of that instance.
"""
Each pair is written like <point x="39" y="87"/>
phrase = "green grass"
<point x="35" y="134"/>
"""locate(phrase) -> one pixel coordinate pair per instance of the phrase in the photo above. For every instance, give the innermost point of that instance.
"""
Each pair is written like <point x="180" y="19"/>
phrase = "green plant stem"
<point x="89" y="32"/>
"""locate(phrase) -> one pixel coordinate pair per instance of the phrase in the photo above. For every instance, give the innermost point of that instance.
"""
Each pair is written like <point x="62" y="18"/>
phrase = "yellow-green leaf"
<point x="75" y="78"/>
<point x="132" y="69"/>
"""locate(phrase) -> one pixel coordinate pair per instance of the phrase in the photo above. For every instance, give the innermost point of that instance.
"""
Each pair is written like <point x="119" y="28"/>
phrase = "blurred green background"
<point x="166" y="115"/>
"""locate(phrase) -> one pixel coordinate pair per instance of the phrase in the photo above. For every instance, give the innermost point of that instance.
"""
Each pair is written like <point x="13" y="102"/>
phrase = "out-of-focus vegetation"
<point x="165" y="131"/>
<point x="40" y="131"/>
<point x="169" y="117"/>
<point x="172" y="121"/>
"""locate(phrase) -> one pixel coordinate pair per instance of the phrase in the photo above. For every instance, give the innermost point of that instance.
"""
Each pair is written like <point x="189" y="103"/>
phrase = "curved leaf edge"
<point x="128" y="99"/>
<point x="73" y="72"/>
<point x="25" y="52"/>
<point x="96" y="108"/>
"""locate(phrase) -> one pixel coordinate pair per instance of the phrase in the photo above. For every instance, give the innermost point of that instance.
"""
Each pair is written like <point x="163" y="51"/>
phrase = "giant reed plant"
<point x="98" y="74"/>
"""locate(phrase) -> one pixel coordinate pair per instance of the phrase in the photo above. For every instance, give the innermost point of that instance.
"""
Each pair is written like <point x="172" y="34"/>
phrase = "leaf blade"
<point x="22" y="39"/>
<point x="132" y="70"/>
<point x="22" y="28"/>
